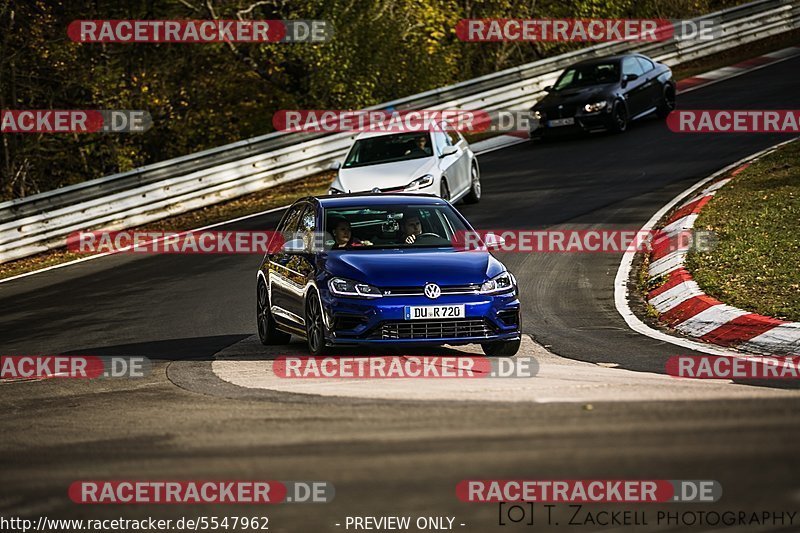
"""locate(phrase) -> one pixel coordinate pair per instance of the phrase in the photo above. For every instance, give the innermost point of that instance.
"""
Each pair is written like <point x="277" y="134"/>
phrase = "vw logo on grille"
<point x="432" y="291"/>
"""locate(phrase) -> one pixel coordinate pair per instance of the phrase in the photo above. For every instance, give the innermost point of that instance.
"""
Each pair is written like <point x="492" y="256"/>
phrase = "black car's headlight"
<point x="420" y="183"/>
<point x="503" y="282"/>
<point x="348" y="287"/>
<point x="538" y="115"/>
<point x="595" y="107"/>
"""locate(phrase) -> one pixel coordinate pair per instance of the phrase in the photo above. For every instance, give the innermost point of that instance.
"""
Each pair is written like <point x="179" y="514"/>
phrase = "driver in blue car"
<point x="412" y="226"/>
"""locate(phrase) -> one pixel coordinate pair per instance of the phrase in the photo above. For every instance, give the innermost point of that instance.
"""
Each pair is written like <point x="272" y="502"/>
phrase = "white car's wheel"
<point x="444" y="190"/>
<point x="474" y="195"/>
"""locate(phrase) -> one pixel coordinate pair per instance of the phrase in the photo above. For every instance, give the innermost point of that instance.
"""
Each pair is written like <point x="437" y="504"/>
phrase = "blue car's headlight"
<point x="501" y="283"/>
<point x="348" y="287"/>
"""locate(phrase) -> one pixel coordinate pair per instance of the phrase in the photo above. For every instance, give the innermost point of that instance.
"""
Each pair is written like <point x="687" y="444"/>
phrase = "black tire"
<point x="444" y="190"/>
<point x="619" y="118"/>
<point x="315" y="327"/>
<point x="268" y="333"/>
<point x="501" y="348"/>
<point x="667" y="104"/>
<point x="474" y="194"/>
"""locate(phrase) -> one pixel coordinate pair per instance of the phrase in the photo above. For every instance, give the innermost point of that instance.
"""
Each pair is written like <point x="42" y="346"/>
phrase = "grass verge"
<point x="756" y="263"/>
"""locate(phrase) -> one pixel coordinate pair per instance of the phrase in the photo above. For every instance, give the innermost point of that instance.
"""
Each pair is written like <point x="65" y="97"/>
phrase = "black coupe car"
<point x="604" y="94"/>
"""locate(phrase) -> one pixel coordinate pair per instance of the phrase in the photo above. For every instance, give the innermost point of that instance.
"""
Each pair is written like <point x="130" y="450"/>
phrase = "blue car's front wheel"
<point x="501" y="348"/>
<point x="315" y="327"/>
<point x="268" y="333"/>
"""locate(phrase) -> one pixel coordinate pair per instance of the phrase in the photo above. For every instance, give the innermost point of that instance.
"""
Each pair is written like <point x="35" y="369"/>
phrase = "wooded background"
<point x="206" y="95"/>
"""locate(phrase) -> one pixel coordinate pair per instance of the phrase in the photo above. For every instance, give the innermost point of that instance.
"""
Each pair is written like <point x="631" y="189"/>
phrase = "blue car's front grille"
<point x="435" y="329"/>
<point x="419" y="291"/>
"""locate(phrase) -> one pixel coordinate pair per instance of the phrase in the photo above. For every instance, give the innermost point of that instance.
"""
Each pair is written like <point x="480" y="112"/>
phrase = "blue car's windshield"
<point x="391" y="226"/>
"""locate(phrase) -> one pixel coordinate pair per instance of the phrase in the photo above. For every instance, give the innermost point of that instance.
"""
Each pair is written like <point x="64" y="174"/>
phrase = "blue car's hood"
<point x="413" y="268"/>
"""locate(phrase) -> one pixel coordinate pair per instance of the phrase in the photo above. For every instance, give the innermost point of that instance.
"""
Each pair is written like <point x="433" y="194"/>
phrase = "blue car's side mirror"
<point x="294" y="246"/>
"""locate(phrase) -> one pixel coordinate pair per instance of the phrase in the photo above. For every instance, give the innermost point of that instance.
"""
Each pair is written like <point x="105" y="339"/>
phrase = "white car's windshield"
<point x="388" y="149"/>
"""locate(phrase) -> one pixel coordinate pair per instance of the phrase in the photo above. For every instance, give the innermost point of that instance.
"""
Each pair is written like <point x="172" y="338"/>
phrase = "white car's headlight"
<point x="348" y="287"/>
<point x="595" y="107"/>
<point x="420" y="183"/>
<point x="503" y="282"/>
<point x="334" y="190"/>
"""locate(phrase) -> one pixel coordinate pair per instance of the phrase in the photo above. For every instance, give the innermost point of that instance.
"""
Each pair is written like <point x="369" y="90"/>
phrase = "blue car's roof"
<point x="359" y="200"/>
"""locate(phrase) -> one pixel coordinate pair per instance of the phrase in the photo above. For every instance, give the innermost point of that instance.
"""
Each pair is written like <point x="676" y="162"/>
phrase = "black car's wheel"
<point x="268" y="333"/>
<point x="619" y="118"/>
<point x="667" y="104"/>
<point x="444" y="190"/>
<point x="474" y="195"/>
<point x="315" y="327"/>
<point x="501" y="348"/>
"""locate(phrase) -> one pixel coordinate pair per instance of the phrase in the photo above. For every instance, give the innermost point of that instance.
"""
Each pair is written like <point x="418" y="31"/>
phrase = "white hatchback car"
<point x="439" y="162"/>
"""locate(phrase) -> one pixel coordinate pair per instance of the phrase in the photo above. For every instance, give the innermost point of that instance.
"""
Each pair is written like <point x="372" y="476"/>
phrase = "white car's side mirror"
<point x="336" y="165"/>
<point x="449" y="150"/>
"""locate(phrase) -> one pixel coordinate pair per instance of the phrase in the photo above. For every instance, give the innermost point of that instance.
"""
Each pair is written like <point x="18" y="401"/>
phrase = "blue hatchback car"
<point x="379" y="269"/>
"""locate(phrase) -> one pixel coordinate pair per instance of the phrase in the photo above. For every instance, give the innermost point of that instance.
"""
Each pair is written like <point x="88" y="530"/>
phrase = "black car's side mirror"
<point x="629" y="77"/>
<point x="548" y="89"/>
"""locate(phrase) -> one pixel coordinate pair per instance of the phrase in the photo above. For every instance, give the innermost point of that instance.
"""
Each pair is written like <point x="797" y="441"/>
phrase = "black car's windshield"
<point x="389" y="148"/>
<point x="391" y="226"/>
<point x="587" y="75"/>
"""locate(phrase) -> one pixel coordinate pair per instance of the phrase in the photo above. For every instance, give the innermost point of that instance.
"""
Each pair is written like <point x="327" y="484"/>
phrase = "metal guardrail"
<point x="41" y="222"/>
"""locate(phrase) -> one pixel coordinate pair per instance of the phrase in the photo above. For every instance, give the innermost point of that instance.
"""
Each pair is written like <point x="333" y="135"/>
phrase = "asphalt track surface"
<point x="393" y="457"/>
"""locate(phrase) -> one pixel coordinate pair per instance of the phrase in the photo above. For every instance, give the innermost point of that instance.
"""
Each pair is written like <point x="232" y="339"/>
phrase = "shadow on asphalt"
<point x="204" y="348"/>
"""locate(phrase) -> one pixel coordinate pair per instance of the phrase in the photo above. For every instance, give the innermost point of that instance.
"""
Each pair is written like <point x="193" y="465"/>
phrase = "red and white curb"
<point x="724" y="73"/>
<point x="683" y="306"/>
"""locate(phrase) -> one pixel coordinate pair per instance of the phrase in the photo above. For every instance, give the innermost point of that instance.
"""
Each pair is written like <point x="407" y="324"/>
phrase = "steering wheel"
<point x="428" y="235"/>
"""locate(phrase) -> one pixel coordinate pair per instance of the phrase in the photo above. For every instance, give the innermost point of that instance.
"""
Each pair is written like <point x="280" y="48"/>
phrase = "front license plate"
<point x="561" y="122"/>
<point x="429" y="312"/>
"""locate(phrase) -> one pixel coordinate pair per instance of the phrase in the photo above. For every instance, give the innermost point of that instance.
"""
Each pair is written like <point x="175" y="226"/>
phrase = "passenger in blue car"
<point x="343" y="234"/>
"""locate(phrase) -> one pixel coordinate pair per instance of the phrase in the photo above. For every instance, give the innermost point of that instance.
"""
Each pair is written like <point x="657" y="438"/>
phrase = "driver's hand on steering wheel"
<point x="410" y="239"/>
